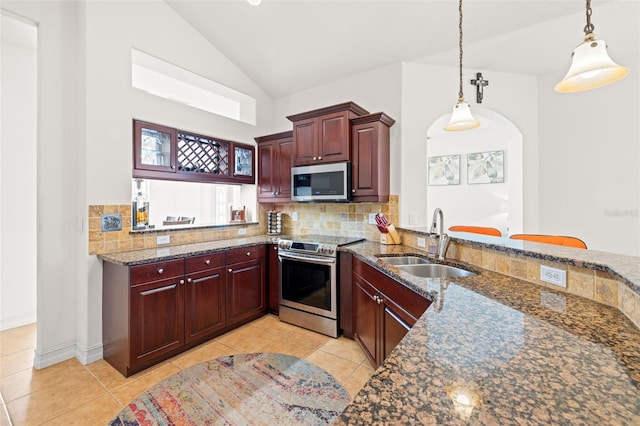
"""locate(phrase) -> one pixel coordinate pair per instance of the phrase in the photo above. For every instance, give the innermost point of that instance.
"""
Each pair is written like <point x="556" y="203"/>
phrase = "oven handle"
<point x="307" y="258"/>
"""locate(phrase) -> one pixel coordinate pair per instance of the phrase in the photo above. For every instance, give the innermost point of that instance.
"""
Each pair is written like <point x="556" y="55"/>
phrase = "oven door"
<point x="308" y="283"/>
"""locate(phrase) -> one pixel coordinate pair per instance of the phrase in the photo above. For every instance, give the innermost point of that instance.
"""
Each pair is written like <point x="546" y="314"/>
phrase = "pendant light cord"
<point x="460" y="95"/>
<point x="588" y="29"/>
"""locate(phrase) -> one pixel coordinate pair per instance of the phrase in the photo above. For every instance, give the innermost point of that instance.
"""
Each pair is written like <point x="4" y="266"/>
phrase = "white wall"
<point x="17" y="172"/>
<point x="431" y="91"/>
<point x="590" y="162"/>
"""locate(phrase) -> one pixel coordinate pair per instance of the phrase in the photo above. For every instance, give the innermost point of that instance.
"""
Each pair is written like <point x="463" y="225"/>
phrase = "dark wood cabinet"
<point x="383" y="311"/>
<point x="273" y="283"/>
<point x="274" y="167"/>
<point x="204" y="296"/>
<point x="346" y="293"/>
<point x="161" y="152"/>
<point x="323" y="135"/>
<point x="370" y="157"/>
<point x="246" y="292"/>
<point x="154" y="311"/>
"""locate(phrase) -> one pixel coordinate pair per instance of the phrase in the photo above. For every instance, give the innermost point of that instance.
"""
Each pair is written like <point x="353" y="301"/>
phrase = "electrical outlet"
<point x="553" y="276"/>
<point x="242" y="231"/>
<point x="413" y="218"/>
<point x="294" y="216"/>
<point x="163" y="239"/>
<point x="421" y="242"/>
<point x="372" y="218"/>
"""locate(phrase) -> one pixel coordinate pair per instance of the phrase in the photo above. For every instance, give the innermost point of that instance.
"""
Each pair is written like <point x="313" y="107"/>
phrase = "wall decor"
<point x="110" y="222"/>
<point x="485" y="167"/>
<point x="444" y="170"/>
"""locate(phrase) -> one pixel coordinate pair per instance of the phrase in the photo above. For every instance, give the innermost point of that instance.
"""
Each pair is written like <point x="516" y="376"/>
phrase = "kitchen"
<point x="72" y="327"/>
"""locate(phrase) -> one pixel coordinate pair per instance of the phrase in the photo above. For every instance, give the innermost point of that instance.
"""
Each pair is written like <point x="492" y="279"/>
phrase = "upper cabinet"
<point x="274" y="167"/>
<point x="323" y="135"/>
<point x="370" y="157"/>
<point x="161" y="152"/>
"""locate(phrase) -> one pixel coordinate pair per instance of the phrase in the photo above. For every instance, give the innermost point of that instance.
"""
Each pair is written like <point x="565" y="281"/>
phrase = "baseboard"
<point x="58" y="354"/>
<point x="8" y="323"/>
<point x="89" y="355"/>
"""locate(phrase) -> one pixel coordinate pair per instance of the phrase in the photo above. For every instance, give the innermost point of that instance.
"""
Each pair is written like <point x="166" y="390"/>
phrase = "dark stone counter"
<point x="495" y="350"/>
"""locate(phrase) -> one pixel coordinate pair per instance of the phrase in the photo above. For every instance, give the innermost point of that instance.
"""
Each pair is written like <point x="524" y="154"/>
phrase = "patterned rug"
<point x="248" y="389"/>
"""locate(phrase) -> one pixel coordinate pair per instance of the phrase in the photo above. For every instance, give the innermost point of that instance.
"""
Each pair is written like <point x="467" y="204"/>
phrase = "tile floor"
<point x="69" y="393"/>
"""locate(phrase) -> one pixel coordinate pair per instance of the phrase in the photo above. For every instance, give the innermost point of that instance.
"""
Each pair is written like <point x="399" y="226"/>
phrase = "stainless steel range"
<point x="309" y="286"/>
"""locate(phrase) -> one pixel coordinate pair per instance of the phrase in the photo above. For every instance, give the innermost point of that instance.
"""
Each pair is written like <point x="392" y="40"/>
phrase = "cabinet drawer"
<point x="203" y="262"/>
<point x="244" y="254"/>
<point x="156" y="271"/>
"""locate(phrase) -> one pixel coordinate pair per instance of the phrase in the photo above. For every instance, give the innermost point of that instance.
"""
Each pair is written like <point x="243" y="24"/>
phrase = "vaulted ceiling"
<point x="288" y="46"/>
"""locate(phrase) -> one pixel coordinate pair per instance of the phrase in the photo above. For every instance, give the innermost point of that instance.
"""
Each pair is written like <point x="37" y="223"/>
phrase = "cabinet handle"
<point x="380" y="300"/>
<point x="275" y="248"/>
<point x="181" y="281"/>
<point x="160" y="271"/>
<point x="189" y="280"/>
<point x="319" y="158"/>
<point x="207" y="261"/>
<point x="315" y="158"/>
<point x="273" y="193"/>
<point x="248" y="253"/>
<point x="353" y="191"/>
<point x="230" y="270"/>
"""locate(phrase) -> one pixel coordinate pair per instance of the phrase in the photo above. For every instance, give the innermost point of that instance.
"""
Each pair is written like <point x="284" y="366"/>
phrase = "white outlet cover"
<point x="242" y="231"/>
<point x="421" y="242"/>
<point x="413" y="218"/>
<point x="163" y="239"/>
<point x="372" y="218"/>
<point x="294" y="216"/>
<point x="553" y="276"/>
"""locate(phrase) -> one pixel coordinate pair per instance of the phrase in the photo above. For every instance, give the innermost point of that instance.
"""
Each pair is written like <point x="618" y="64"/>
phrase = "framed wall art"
<point x="485" y="167"/>
<point x="444" y="170"/>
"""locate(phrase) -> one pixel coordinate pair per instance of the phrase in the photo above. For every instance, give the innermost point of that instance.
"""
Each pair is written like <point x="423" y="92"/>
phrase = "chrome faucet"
<point x="443" y="239"/>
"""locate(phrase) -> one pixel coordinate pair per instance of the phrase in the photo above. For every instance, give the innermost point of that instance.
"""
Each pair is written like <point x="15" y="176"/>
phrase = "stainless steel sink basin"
<point x="434" y="270"/>
<point x="403" y="260"/>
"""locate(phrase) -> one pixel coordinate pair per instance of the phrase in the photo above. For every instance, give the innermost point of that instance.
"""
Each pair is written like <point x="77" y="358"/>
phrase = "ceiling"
<point x="286" y="46"/>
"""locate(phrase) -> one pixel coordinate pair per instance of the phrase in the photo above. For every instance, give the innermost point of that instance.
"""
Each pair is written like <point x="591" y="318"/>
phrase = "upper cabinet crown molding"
<point x="345" y="106"/>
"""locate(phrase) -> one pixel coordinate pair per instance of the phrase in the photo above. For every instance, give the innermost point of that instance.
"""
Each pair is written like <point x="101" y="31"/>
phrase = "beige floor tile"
<point x="17" y="361"/>
<point x="355" y="381"/>
<point x="290" y="347"/>
<point x="17" y="339"/>
<point x="131" y="389"/>
<point x="4" y="414"/>
<point x="249" y="339"/>
<point x="307" y="336"/>
<point x="273" y="322"/>
<point x="54" y="400"/>
<point x="204" y="353"/>
<point x="344" y="348"/>
<point x="96" y="412"/>
<point x="339" y="368"/>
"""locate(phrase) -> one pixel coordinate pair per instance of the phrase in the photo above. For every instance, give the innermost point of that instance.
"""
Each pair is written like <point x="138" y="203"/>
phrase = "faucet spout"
<point x="443" y="239"/>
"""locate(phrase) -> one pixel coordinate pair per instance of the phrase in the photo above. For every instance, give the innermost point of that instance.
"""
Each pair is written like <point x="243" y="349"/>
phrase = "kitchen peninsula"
<point x="491" y="349"/>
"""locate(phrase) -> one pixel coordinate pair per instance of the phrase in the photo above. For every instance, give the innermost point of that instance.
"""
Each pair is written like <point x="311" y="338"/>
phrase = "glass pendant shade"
<point x="461" y="118"/>
<point x="591" y="67"/>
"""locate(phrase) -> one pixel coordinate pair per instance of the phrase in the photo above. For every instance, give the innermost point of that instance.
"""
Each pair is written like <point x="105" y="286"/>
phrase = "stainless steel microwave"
<point x="321" y="182"/>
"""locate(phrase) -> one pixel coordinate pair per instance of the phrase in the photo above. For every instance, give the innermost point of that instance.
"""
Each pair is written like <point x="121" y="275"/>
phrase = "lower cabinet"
<point x="383" y="311"/>
<point x="273" y="281"/>
<point x="246" y="293"/>
<point x="154" y="311"/>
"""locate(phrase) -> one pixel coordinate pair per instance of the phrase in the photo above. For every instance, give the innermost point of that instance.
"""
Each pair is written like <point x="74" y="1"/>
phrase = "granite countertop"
<point x="496" y="350"/>
<point x="139" y="257"/>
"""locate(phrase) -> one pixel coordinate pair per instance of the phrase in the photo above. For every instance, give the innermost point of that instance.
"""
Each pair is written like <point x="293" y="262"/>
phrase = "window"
<point x="169" y="81"/>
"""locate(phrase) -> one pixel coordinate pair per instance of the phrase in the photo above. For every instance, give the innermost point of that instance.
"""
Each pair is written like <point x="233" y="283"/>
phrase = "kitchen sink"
<point x="403" y="260"/>
<point x="434" y="270"/>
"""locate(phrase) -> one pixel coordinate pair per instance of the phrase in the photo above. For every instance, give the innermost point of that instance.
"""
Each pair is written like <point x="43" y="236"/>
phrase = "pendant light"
<point x="461" y="118"/>
<point x="591" y="66"/>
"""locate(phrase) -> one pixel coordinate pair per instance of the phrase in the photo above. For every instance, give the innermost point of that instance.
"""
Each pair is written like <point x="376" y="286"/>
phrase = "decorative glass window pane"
<point x="156" y="148"/>
<point x="244" y="162"/>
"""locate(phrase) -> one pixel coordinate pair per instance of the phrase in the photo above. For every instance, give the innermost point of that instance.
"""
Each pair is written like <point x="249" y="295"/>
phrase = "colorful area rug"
<point x="248" y="389"/>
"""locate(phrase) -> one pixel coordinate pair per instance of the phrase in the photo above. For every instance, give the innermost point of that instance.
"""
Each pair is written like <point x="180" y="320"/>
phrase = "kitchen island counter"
<point x="493" y="349"/>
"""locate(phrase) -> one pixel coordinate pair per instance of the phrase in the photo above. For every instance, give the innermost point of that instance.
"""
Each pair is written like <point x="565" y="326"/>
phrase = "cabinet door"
<point x="394" y="329"/>
<point x="282" y="167"/>
<point x="305" y="142"/>
<point x="204" y="304"/>
<point x="157" y="319"/>
<point x="154" y="147"/>
<point x="333" y="142"/>
<point x="267" y="169"/>
<point x="365" y="161"/>
<point x="366" y="319"/>
<point x="246" y="297"/>
<point x="274" y="279"/>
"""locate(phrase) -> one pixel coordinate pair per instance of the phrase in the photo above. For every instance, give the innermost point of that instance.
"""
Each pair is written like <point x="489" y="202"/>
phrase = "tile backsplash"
<point x="339" y="219"/>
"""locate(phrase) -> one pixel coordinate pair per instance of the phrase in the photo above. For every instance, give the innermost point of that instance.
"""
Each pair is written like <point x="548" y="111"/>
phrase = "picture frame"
<point x="444" y="170"/>
<point x="485" y="167"/>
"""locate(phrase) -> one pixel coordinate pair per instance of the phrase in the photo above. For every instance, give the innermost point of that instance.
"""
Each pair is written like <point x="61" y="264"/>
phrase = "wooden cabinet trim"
<point x="346" y="106"/>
